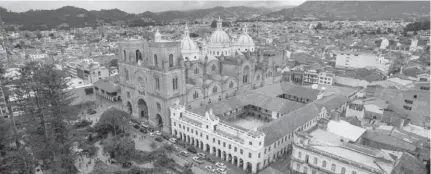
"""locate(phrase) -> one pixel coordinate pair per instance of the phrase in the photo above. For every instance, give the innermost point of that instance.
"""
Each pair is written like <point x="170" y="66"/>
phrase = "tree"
<point x="120" y="148"/>
<point x="318" y="26"/>
<point x="42" y="96"/>
<point x="214" y="24"/>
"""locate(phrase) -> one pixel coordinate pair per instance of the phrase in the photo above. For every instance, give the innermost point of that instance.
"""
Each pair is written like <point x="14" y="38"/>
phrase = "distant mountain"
<point x="78" y="17"/>
<point x="357" y="10"/>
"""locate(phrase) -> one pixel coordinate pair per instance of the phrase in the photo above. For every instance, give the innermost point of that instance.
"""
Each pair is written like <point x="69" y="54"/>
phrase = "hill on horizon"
<point x="78" y="17"/>
<point x="357" y="10"/>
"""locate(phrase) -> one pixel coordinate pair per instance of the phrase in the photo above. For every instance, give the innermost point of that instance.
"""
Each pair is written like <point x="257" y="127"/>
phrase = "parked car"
<point x="136" y="126"/>
<point x="197" y="160"/>
<point x="201" y="155"/>
<point x="151" y="134"/>
<point x="145" y="125"/>
<point x="158" y="133"/>
<point x="173" y="140"/>
<point x="143" y="130"/>
<point x="177" y="149"/>
<point x="166" y="137"/>
<point x="184" y="153"/>
<point x="158" y="139"/>
<point x="210" y="168"/>
<point x="191" y="149"/>
<point x="91" y="111"/>
<point x="220" y="165"/>
<point x="127" y="164"/>
<point x="221" y="170"/>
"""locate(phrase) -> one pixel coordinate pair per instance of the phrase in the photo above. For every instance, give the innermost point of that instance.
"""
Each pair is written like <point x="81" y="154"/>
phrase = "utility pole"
<point x="9" y="107"/>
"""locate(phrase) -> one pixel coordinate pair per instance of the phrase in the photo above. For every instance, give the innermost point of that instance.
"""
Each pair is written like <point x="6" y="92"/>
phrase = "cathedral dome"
<point x="245" y="40"/>
<point x="188" y="45"/>
<point x="219" y="36"/>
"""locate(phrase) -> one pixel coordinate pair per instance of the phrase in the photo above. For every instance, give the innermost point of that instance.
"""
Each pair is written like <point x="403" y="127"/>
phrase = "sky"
<point x="142" y="6"/>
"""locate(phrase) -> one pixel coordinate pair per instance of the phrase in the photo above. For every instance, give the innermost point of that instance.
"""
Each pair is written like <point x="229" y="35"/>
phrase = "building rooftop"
<point x="345" y="130"/>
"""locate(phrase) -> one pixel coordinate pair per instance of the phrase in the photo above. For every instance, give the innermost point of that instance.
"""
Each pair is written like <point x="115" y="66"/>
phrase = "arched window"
<point x="258" y="77"/>
<point x="343" y="170"/>
<point x="124" y="55"/>
<point x="215" y="89"/>
<point x="171" y="60"/>
<point x="231" y="84"/>
<point x="138" y="56"/>
<point x="244" y="78"/>
<point x="157" y="83"/>
<point x="99" y="73"/>
<point x="197" y="70"/>
<point x="324" y="163"/>
<point x="213" y="68"/>
<point x="126" y="74"/>
<point x="333" y="167"/>
<point x="195" y="95"/>
<point x="155" y="60"/>
<point x="175" y="83"/>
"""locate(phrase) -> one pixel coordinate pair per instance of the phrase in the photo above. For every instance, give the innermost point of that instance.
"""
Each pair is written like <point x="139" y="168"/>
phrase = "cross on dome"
<point x="219" y="23"/>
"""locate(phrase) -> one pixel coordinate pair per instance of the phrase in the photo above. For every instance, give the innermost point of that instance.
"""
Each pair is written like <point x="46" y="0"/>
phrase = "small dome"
<point x="245" y="40"/>
<point x="219" y="36"/>
<point x="188" y="45"/>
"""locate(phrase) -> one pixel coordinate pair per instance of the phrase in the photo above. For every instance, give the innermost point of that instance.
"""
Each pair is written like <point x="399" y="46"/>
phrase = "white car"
<point x="151" y="134"/>
<point x="144" y="125"/>
<point x="202" y="155"/>
<point x="221" y="171"/>
<point x="210" y="168"/>
<point x="173" y="140"/>
<point x="158" y="133"/>
<point x="198" y="160"/>
<point x="220" y="165"/>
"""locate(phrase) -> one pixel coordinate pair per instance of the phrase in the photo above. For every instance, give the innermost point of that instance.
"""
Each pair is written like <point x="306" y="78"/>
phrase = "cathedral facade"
<point x="154" y="75"/>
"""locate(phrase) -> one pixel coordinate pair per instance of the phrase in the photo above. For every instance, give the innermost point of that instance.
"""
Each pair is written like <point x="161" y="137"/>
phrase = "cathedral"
<point x="154" y="75"/>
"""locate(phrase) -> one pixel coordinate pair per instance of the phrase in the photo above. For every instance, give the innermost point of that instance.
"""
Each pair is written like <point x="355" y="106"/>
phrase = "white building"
<point x="37" y="56"/>
<point x="255" y="146"/>
<point x="325" y="78"/>
<point x="384" y="44"/>
<point x="331" y="148"/>
<point x="350" y="60"/>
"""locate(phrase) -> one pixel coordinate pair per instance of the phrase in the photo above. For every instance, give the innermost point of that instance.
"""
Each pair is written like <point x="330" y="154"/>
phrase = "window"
<point x="213" y="68"/>
<point x="324" y="163"/>
<point x="240" y="151"/>
<point x="171" y="60"/>
<point x="213" y="140"/>
<point x="155" y="60"/>
<point x="249" y="155"/>
<point x="343" y="170"/>
<point x="138" y="56"/>
<point x="333" y="167"/>
<point x="315" y="160"/>
<point x="408" y="101"/>
<point x="124" y="55"/>
<point x="250" y="143"/>
<point x="218" y="142"/>
<point x="128" y="94"/>
<point x="415" y="96"/>
<point x="407" y="108"/>
<point x="231" y="84"/>
<point x="234" y="149"/>
<point x="224" y="144"/>
<point x="99" y="73"/>
<point x="157" y="83"/>
<point x="229" y="146"/>
<point x="196" y="70"/>
<point x="159" y="107"/>
<point x="215" y="89"/>
<point x="299" y="155"/>
<point x="195" y="95"/>
<point x="175" y="83"/>
<point x="126" y="74"/>
<point x="258" y="77"/>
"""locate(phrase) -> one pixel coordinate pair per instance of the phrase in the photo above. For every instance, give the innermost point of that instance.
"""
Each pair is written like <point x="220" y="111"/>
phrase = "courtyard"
<point x="248" y="122"/>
